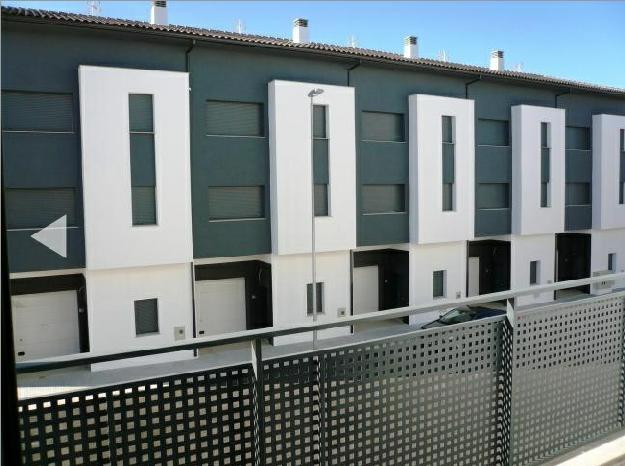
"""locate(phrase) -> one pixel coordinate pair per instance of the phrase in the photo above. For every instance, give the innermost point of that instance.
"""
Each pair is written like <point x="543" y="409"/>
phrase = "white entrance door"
<point x="474" y="276"/>
<point x="220" y="306"/>
<point x="365" y="286"/>
<point x="45" y="325"/>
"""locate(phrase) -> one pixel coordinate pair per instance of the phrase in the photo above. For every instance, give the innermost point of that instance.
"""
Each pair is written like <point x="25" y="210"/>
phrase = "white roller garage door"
<point x="45" y="325"/>
<point x="220" y="306"/>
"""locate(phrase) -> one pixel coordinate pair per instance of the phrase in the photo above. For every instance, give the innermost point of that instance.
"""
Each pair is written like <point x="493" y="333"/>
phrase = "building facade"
<point x="181" y="162"/>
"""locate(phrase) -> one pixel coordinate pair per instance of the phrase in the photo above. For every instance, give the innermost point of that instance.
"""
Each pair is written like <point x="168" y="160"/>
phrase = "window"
<point x="319" y="298"/>
<point x="146" y="316"/>
<point x="383" y="198"/>
<point x="385" y="127"/>
<point x="621" y="195"/>
<point x="545" y="165"/>
<point x="449" y="154"/>
<point x="493" y="132"/>
<point x="320" y="160"/>
<point x="534" y="271"/>
<point x="577" y="194"/>
<point x="578" y="138"/>
<point x="493" y="196"/>
<point x="321" y="200"/>
<point x="236" y="202"/>
<point x="612" y="262"/>
<point x="234" y="118"/>
<point x="142" y="159"/>
<point x="37" y="208"/>
<point x="438" y="284"/>
<point x="35" y="111"/>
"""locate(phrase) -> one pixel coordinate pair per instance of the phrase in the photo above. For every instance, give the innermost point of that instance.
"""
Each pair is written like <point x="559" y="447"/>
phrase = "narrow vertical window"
<point x="438" y="284"/>
<point x="449" y="154"/>
<point x="621" y="190"/>
<point x="534" y="271"/>
<point x="612" y="262"/>
<point x="320" y="155"/>
<point x="146" y="316"/>
<point x="319" y="298"/>
<point x="545" y="165"/>
<point x="142" y="163"/>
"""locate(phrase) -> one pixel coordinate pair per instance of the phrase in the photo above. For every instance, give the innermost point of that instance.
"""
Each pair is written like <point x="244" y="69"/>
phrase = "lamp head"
<point x="315" y="92"/>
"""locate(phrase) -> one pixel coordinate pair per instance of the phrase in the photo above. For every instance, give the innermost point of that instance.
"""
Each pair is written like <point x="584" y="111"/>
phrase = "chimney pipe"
<point x="411" y="47"/>
<point x="158" y="13"/>
<point x="496" y="60"/>
<point x="300" y="31"/>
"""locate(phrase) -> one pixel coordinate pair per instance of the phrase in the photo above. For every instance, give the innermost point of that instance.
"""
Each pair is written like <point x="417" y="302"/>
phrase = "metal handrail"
<point x="80" y="359"/>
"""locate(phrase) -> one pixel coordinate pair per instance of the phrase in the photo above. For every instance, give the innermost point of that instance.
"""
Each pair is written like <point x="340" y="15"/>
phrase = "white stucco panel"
<point x="528" y="217"/>
<point x="289" y="276"/>
<point x="603" y="243"/>
<point x="110" y="238"/>
<point x="523" y="250"/>
<point x="290" y="154"/>
<point x="110" y="305"/>
<point x="606" y="210"/>
<point x="428" y="222"/>
<point x="424" y="260"/>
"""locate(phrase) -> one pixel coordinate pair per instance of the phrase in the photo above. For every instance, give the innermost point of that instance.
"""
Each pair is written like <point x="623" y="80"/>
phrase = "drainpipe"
<point x="350" y="69"/>
<point x="467" y="84"/>
<point x="560" y="94"/>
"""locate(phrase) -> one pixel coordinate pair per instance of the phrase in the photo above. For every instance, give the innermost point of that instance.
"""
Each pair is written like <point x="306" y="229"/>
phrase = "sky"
<point x="584" y="41"/>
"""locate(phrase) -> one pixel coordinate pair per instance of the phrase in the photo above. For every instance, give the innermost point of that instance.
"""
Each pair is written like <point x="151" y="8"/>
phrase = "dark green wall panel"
<point x="320" y="166"/>
<point x="578" y="166"/>
<point x="577" y="218"/>
<point x="26" y="254"/>
<point x="240" y="238"/>
<point x="383" y="229"/>
<point x="492" y="222"/>
<point x="493" y="164"/>
<point x="231" y="161"/>
<point x="40" y="160"/>
<point x="381" y="162"/>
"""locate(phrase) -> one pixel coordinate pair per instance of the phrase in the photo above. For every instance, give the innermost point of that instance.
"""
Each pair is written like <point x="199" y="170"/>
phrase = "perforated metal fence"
<point x="489" y="392"/>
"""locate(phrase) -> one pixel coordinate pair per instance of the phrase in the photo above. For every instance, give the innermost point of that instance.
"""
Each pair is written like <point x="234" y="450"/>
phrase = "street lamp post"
<point x="312" y="94"/>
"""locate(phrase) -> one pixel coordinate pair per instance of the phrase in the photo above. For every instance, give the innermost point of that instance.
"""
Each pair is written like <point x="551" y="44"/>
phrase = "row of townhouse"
<point x="179" y="160"/>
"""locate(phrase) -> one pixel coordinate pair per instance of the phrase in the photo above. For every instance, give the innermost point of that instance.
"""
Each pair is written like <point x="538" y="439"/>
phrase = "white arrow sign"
<point x="54" y="236"/>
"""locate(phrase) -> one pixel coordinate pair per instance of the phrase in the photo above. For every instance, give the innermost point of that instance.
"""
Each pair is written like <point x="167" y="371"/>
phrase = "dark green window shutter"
<point x="37" y="208"/>
<point x="236" y="202"/>
<point x="622" y="169"/>
<point x="449" y="163"/>
<point x="493" y="196"/>
<point x="448" y="129"/>
<point x="319" y="298"/>
<point x="321" y="200"/>
<point x="578" y="194"/>
<point x="493" y="132"/>
<point x="142" y="159"/>
<point x="234" y="118"/>
<point x="31" y="111"/>
<point x="320" y="163"/>
<point x="544" y="194"/>
<point x="142" y="164"/>
<point x="438" y="284"/>
<point x="141" y="113"/>
<point x="146" y="316"/>
<point x="448" y="197"/>
<point x="383" y="198"/>
<point x="544" y="134"/>
<point x="380" y="126"/>
<point x="578" y="138"/>
<point x="143" y="205"/>
<point x="319" y="121"/>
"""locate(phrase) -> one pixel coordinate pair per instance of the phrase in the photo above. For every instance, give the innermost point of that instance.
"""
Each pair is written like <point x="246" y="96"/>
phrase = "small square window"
<point x="146" y="316"/>
<point x="438" y="284"/>
<point x="612" y="262"/>
<point x="319" y="298"/>
<point x="534" y="272"/>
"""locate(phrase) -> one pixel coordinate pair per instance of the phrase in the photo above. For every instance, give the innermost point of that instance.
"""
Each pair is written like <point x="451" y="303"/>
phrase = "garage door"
<point x="220" y="306"/>
<point x="45" y="325"/>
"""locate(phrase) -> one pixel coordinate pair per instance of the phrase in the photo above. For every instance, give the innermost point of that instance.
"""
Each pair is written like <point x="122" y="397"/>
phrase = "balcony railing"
<point x="512" y="389"/>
